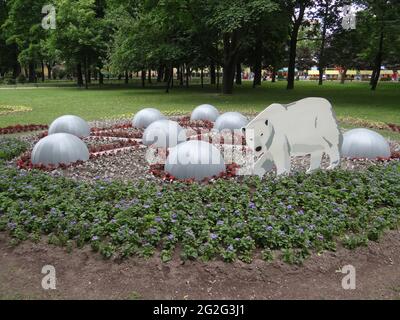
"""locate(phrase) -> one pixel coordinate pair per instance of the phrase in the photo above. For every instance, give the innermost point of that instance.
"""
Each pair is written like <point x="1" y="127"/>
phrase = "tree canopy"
<point x="126" y="36"/>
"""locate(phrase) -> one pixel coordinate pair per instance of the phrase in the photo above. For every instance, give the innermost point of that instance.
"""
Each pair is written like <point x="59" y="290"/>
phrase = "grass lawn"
<point x="351" y="99"/>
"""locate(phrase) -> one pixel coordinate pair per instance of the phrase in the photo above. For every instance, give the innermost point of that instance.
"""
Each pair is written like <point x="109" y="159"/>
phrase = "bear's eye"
<point x="262" y="134"/>
<point x="266" y="123"/>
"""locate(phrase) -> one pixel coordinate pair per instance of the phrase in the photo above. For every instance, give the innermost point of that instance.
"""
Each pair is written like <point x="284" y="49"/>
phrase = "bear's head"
<point x="260" y="132"/>
<point x="259" y="135"/>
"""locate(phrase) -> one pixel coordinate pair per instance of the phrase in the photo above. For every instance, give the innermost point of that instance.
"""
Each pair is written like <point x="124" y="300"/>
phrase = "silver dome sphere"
<point x="70" y="124"/>
<point x="195" y="159"/>
<point x="231" y="121"/>
<point x="59" y="148"/>
<point x="145" y="117"/>
<point x="164" y="134"/>
<point x="364" y="143"/>
<point x="205" y="112"/>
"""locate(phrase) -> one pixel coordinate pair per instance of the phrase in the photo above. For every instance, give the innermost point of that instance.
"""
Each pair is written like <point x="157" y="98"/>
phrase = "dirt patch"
<point x="83" y="274"/>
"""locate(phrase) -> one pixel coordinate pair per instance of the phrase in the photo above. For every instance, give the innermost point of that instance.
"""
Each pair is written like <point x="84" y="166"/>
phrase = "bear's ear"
<point x="244" y="130"/>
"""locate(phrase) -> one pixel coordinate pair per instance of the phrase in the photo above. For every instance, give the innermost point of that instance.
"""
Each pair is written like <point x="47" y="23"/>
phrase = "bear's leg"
<point x="262" y="166"/>
<point x="283" y="163"/>
<point x="334" y="156"/>
<point x="316" y="158"/>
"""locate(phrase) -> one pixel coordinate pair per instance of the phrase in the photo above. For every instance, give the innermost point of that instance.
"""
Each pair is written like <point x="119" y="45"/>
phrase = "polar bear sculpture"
<point x="308" y="126"/>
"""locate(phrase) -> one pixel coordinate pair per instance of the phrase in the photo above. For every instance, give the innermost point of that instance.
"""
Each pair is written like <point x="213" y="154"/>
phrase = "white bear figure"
<point x="308" y="126"/>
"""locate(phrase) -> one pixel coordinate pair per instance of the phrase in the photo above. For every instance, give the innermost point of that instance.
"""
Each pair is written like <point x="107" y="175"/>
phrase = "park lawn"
<point x="349" y="100"/>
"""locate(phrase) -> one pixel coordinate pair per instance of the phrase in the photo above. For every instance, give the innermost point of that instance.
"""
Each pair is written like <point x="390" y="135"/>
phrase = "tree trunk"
<point x="79" y="75"/>
<point x="89" y="75"/>
<point x="86" y="73"/>
<point x="187" y="76"/>
<point x="202" y="77"/>
<point x="32" y="75"/>
<point x="16" y="70"/>
<point x="43" y="77"/>
<point x="293" y="47"/>
<point x="126" y="80"/>
<point x="143" y="78"/>
<point x="238" y="73"/>
<point x="166" y="74"/>
<point x="217" y="77"/>
<point x="49" y="71"/>
<point x="169" y="73"/>
<point x="343" y="76"/>
<point x="180" y="75"/>
<point x="213" y="76"/>
<point x="230" y="57"/>
<point x="274" y="75"/>
<point x="101" y="78"/>
<point x="321" y="60"/>
<point x="258" y="64"/>
<point x="160" y="73"/>
<point x="149" y="77"/>
<point x="378" y="64"/>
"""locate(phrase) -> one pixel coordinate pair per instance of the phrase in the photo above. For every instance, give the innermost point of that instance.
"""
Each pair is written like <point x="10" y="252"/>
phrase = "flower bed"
<point x="23" y="128"/>
<point x="13" y="109"/>
<point x="288" y="217"/>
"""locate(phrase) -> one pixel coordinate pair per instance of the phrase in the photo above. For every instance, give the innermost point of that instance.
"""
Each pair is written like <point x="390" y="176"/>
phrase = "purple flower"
<point x="171" y="237"/>
<point x="11" y="225"/>
<point x="146" y="206"/>
<point x="289" y="207"/>
<point x="113" y="221"/>
<point x="220" y="223"/>
<point x="213" y="236"/>
<point x="95" y="238"/>
<point x="252" y="205"/>
<point x="223" y="209"/>
<point x="321" y="237"/>
<point x="269" y="228"/>
<point x="230" y="248"/>
<point x="158" y="219"/>
<point x="300" y="212"/>
<point x="152" y="230"/>
<point x="301" y="230"/>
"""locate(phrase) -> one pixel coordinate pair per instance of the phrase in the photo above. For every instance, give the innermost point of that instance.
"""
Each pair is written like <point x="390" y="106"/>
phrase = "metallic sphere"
<point x="205" y="112"/>
<point x="59" y="148"/>
<point x="147" y="116"/>
<point x="195" y="160"/>
<point x="366" y="144"/>
<point x="231" y="121"/>
<point x="164" y="134"/>
<point x="70" y="124"/>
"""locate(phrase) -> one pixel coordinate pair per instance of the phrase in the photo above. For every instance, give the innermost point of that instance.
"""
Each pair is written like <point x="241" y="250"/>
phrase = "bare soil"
<point x="83" y="274"/>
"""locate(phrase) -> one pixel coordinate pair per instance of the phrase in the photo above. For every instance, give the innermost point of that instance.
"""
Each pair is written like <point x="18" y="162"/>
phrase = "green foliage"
<point x="296" y="215"/>
<point x="11" y="148"/>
